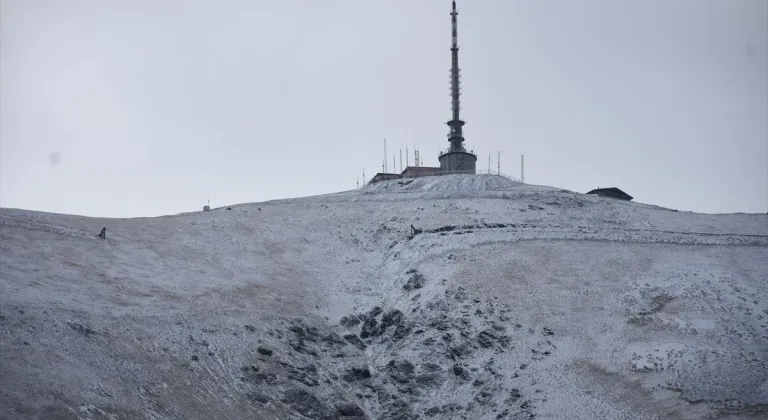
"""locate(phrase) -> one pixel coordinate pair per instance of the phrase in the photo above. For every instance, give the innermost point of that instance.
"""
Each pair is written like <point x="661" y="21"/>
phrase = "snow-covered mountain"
<point x="510" y="302"/>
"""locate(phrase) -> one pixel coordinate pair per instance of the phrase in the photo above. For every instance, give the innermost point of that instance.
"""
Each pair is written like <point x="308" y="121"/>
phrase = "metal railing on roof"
<point x="463" y="150"/>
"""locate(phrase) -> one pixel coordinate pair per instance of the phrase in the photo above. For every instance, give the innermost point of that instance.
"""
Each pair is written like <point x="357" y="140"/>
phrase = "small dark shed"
<point x="612" y="192"/>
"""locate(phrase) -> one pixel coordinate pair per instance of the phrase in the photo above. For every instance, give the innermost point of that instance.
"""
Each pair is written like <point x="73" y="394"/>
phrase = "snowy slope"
<point x="515" y="301"/>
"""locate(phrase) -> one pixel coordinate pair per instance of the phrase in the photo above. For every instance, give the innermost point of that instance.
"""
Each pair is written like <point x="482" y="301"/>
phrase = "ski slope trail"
<point x="510" y="301"/>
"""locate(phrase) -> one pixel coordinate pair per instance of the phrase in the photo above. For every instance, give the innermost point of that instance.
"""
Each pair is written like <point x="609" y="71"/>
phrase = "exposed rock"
<point x="334" y="339"/>
<point x="357" y="374"/>
<point x="305" y="332"/>
<point x="484" y="397"/>
<point x="251" y="368"/>
<point x="370" y="328"/>
<point x="514" y="396"/>
<point x="416" y="281"/>
<point x="305" y="375"/>
<point x="258" y="377"/>
<point x="430" y="379"/>
<point x="393" y="317"/>
<point x="401" y="332"/>
<point x="307" y="404"/>
<point x="402" y="366"/>
<point x="451" y="407"/>
<point x="460" y="351"/>
<point x="458" y="370"/>
<point x="264" y="351"/>
<point x="349" y="321"/>
<point x="397" y="409"/>
<point x="349" y="410"/>
<point x="355" y="341"/>
<point x="82" y="329"/>
<point x="441" y="324"/>
<point x="258" y="397"/>
<point x="486" y="339"/>
<point x="375" y="311"/>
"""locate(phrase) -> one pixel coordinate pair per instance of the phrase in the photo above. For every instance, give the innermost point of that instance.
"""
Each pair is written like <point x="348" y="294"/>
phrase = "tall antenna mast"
<point x="522" y="169"/>
<point x="455" y="137"/>
<point x="363" y="176"/>
<point x="401" y="160"/>
<point x="385" y="155"/>
<point x="406" y="154"/>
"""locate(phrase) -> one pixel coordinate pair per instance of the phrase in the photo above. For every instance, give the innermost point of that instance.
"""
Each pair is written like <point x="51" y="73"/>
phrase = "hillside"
<point x="514" y="302"/>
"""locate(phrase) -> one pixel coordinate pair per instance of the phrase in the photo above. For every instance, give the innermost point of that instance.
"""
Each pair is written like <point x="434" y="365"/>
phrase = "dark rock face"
<point x="307" y="404"/>
<point x="370" y="328"/>
<point x="401" y="332"/>
<point x="486" y="339"/>
<point x="357" y="374"/>
<point x="306" y="375"/>
<point x="349" y="321"/>
<point x="514" y="396"/>
<point x="416" y="281"/>
<point x="393" y="317"/>
<point x="460" y="372"/>
<point x="429" y="379"/>
<point x="349" y="410"/>
<point x="355" y="341"/>
<point x="484" y="397"/>
<point x="334" y="339"/>
<point x="258" y="397"/>
<point x="448" y="333"/>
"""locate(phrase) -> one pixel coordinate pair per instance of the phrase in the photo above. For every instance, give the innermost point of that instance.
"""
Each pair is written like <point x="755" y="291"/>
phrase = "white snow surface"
<point x="535" y="302"/>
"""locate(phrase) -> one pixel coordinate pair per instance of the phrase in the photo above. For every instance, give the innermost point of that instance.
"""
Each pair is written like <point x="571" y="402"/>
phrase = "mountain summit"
<point x="453" y="297"/>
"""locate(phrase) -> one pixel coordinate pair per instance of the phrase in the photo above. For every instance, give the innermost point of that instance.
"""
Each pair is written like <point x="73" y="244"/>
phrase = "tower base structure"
<point x="458" y="162"/>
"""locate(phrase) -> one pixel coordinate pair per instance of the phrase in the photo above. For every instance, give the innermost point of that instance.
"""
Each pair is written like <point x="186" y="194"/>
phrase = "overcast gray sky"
<point x="148" y="107"/>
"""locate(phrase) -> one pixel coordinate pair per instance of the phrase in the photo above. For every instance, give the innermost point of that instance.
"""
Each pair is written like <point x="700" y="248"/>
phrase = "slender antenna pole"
<point x="522" y="168"/>
<point x="401" y="160"/>
<point x="386" y="167"/>
<point x="363" y="176"/>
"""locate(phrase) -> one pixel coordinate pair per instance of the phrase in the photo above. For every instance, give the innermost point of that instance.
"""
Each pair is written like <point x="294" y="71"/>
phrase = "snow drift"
<point x="513" y="301"/>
